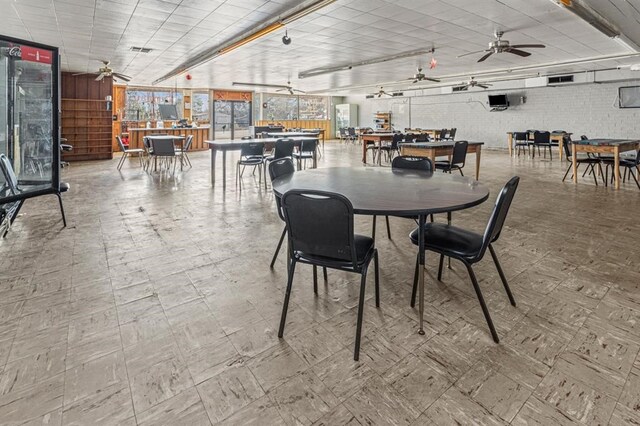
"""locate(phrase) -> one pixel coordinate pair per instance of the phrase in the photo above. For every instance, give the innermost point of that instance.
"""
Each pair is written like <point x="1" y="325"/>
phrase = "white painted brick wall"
<point x="582" y="109"/>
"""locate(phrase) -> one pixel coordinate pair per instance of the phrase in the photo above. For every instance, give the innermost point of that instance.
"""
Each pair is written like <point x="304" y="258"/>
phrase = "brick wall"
<point x="582" y="109"/>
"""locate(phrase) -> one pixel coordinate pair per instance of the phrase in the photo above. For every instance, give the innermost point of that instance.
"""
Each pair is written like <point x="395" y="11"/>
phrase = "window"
<point x="142" y="105"/>
<point x="200" y="107"/>
<point x="287" y="107"/>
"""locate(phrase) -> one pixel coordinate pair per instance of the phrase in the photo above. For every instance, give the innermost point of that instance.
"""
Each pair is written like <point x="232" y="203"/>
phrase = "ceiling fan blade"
<point x="484" y="86"/>
<point x="84" y="73"/>
<point x="472" y="53"/>
<point x="100" y="77"/>
<point x="518" y="52"/>
<point x="528" y="46"/>
<point x="432" y="79"/>
<point x="485" y="56"/>
<point x="280" y="86"/>
<point x="463" y="87"/>
<point x="414" y="80"/>
<point x="122" y="76"/>
<point x="299" y="91"/>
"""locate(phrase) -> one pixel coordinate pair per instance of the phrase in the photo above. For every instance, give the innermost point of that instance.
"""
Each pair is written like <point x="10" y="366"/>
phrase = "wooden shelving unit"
<point x="382" y="120"/>
<point x="86" y="124"/>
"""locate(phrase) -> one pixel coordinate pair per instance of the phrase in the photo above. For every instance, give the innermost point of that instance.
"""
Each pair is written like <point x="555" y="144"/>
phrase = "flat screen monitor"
<point x="629" y="97"/>
<point x="169" y="112"/>
<point x="496" y="101"/>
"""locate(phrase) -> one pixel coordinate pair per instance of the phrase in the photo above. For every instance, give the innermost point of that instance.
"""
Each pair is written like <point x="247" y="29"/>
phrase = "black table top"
<point x="605" y="142"/>
<point x="292" y="134"/>
<point x="435" y="144"/>
<point x="227" y="145"/>
<point x="383" y="191"/>
<point x="164" y="137"/>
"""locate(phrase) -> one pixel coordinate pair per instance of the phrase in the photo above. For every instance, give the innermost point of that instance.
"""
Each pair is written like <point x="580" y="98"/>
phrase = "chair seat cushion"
<point x="254" y="161"/>
<point x="364" y="248"/>
<point x="303" y="154"/>
<point x="135" y="150"/>
<point x="449" y="239"/>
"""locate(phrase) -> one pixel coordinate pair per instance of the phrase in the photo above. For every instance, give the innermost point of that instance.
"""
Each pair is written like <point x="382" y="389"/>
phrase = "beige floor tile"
<point x="539" y="343"/>
<point x="229" y="392"/>
<point x="98" y="322"/>
<point x="93" y="347"/>
<point x="132" y="293"/>
<point x="338" y="416"/>
<point x="537" y="413"/>
<point x="52" y="316"/>
<point x="108" y="406"/>
<point x="34" y="402"/>
<point x="53" y="418"/>
<point x="276" y="365"/>
<point x="455" y="408"/>
<point x="258" y="413"/>
<point x="33" y="369"/>
<point x="10" y="311"/>
<point x="186" y="408"/>
<point x="630" y="396"/>
<point x="255" y="338"/>
<point x="417" y="382"/>
<point x="342" y="375"/>
<point x="139" y="308"/>
<point x="379" y="353"/>
<point x="92" y="377"/>
<point x="211" y="360"/>
<point x="38" y="342"/>
<point x="145" y="328"/>
<point x="623" y="415"/>
<point x="314" y="344"/>
<point x="303" y="399"/>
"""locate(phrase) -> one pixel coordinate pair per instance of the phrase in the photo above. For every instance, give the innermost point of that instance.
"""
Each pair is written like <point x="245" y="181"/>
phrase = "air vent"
<point x="140" y="49"/>
<point x="370" y="96"/>
<point x="397" y="94"/>
<point x="458" y="89"/>
<point x="561" y="79"/>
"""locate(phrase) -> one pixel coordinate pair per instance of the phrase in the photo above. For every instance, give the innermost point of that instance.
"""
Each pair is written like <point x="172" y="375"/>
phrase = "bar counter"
<point x="200" y="134"/>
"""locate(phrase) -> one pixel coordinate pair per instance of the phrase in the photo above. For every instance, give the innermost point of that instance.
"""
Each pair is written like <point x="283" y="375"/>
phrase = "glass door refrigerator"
<point x="29" y="128"/>
<point x="346" y="116"/>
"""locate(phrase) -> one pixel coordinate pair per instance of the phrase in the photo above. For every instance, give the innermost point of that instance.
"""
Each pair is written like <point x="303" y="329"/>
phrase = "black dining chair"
<point x="409" y="138"/>
<point x="632" y="166"/>
<point x="165" y="151"/>
<point x="182" y="151"/>
<point x="307" y="151"/>
<point x="521" y="140"/>
<point x="452" y="134"/>
<point x="458" y="158"/>
<point x="251" y="154"/>
<point x="393" y="148"/>
<point x="591" y="162"/>
<point x="321" y="233"/>
<point x="283" y="149"/>
<point x="422" y="137"/>
<point x="404" y="163"/>
<point x="542" y="139"/>
<point x="470" y="247"/>
<point x="443" y="135"/>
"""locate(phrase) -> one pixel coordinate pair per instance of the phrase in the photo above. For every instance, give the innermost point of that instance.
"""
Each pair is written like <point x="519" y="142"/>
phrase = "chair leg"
<point x="363" y="282"/>
<point x="285" y="306"/>
<point x="64" y="219"/>
<point x="121" y="162"/>
<point x="567" y="172"/>
<point x="415" y="282"/>
<point x="388" y="227"/>
<point x="373" y="232"/>
<point x="440" y="267"/>
<point x="595" y="179"/>
<point x="487" y="317"/>
<point x="459" y="169"/>
<point x="502" y="277"/>
<point x="377" y="280"/>
<point x="315" y="279"/>
<point x="324" y="273"/>
<point x="633" y="175"/>
<point x="275" y="255"/>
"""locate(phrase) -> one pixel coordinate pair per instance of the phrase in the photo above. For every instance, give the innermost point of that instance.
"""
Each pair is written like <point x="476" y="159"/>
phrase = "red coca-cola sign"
<point x="33" y="54"/>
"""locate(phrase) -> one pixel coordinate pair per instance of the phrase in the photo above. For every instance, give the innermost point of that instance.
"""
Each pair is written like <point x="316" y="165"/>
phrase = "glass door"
<point x="231" y="119"/>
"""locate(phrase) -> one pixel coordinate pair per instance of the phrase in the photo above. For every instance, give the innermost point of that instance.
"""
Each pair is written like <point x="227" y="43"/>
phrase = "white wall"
<point x="579" y="108"/>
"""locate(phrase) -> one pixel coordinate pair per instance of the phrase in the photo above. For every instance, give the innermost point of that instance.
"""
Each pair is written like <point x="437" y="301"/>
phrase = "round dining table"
<point x="381" y="191"/>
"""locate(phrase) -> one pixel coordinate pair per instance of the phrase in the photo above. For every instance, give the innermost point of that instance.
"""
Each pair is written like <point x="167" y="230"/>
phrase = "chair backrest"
<point x="308" y="146"/>
<point x="163" y="147"/>
<point x="187" y="143"/>
<point x="452" y="133"/>
<point x="9" y="174"/>
<point x="409" y="137"/>
<point x="459" y="155"/>
<point x="397" y="138"/>
<point x="422" y="137"/>
<point x="584" y="138"/>
<point x="521" y="136"/>
<point x="443" y="134"/>
<point x="254" y="149"/>
<point x="277" y="168"/>
<point x="412" y="163"/>
<point x="343" y="132"/>
<point x="499" y="214"/>
<point x="121" y="144"/>
<point x="320" y="224"/>
<point x="284" y="148"/>
<point x="566" y="146"/>
<point x="541" y="137"/>
<point x="352" y="131"/>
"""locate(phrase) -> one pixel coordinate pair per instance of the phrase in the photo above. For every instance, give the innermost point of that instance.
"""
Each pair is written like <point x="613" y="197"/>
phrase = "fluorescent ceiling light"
<point x="326" y="70"/>
<point x="590" y="15"/>
<point x="259" y="31"/>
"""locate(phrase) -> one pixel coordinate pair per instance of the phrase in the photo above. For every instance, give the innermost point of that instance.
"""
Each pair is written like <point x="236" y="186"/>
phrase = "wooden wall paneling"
<point x="304" y="124"/>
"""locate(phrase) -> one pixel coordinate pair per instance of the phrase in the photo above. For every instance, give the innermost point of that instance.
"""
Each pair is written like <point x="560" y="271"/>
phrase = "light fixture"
<point x="326" y="70"/>
<point x="293" y="14"/>
<point x="590" y="15"/>
<point x="286" y="40"/>
<point x="623" y="41"/>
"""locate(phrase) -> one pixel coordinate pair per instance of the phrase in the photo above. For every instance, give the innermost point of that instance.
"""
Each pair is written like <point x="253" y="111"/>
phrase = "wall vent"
<point x="561" y="79"/>
<point x="397" y="94"/>
<point x="140" y="49"/>
<point x="459" y="89"/>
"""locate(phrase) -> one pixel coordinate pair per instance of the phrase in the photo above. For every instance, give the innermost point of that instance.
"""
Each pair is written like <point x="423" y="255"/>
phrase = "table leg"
<point x="478" y="152"/>
<point x="510" y="143"/>
<point x="380" y="153"/>
<point x="432" y="157"/>
<point x="213" y="167"/>
<point x="574" y="154"/>
<point x="364" y="151"/>
<point x="616" y="165"/>
<point x="421" y="255"/>
<point x="315" y="159"/>
<point x="224" y="170"/>
<point x="560" y="147"/>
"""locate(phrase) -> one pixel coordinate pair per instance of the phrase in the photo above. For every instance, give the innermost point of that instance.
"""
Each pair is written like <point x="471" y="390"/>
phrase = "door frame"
<point x="232" y="120"/>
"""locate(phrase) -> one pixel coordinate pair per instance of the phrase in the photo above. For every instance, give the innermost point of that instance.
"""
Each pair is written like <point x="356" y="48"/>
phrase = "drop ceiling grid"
<point x="348" y="30"/>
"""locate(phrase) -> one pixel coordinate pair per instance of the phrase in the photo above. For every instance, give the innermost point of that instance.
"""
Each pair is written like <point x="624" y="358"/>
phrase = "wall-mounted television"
<point x="168" y="112"/>
<point x="498" y="101"/>
<point x="629" y="97"/>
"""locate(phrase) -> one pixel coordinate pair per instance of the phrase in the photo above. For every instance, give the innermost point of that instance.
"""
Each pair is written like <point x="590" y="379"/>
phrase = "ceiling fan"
<point x="379" y="93"/>
<point x="499" y="46"/>
<point x="472" y="83"/>
<point x="281" y="87"/>
<point x="419" y="76"/>
<point x="105" y="71"/>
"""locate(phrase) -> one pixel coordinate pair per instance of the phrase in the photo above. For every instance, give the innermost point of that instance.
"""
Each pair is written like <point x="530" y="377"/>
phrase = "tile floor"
<point x="157" y="306"/>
